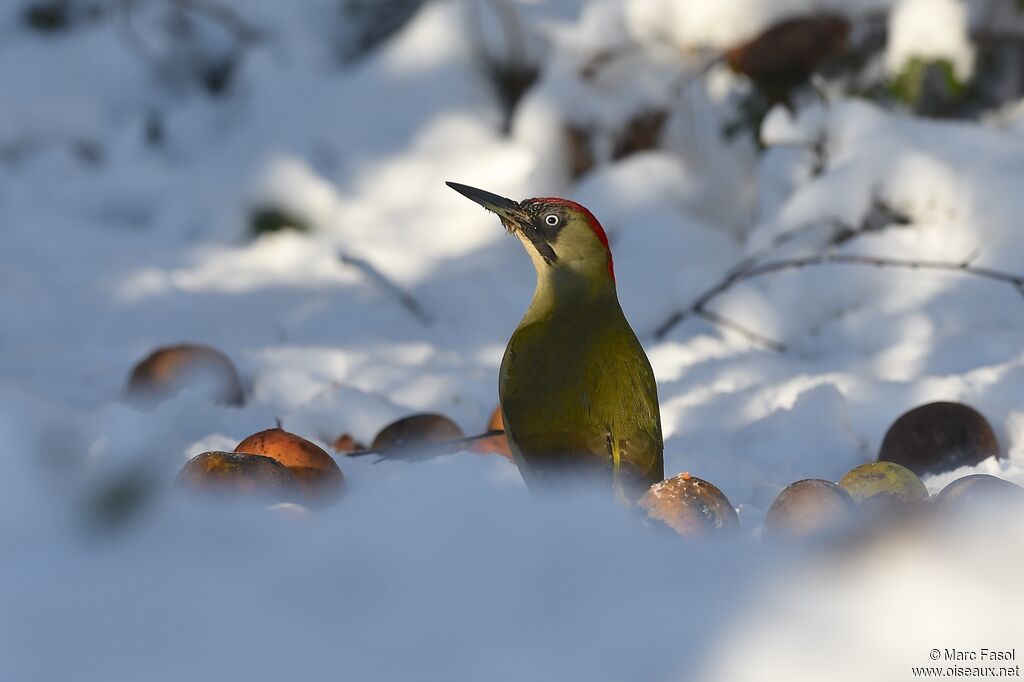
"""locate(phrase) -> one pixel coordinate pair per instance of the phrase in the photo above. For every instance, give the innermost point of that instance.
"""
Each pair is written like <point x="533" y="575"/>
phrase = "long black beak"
<point x="506" y="209"/>
<point x="513" y="216"/>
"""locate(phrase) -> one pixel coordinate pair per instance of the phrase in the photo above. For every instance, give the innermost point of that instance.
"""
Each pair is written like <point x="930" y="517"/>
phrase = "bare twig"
<point x="404" y="298"/>
<point x="514" y="73"/>
<point x="799" y="145"/>
<point x="419" y="451"/>
<point x="228" y="18"/>
<point x="606" y="57"/>
<point x="698" y="307"/>
<point x="245" y="33"/>
<point x="728" y="323"/>
<point x="130" y="35"/>
<point x="516" y="38"/>
<point x="83" y="149"/>
<point x="779" y="240"/>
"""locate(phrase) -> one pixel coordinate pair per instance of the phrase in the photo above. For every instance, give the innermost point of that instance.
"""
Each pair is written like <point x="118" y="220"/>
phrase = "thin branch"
<point x="83" y="149"/>
<point x="698" y="306"/>
<point x="245" y="33"/>
<point x="424" y="450"/>
<point x="727" y="323"/>
<point x="1017" y="281"/>
<point x="800" y="145"/>
<point x="779" y="240"/>
<point x="607" y="57"/>
<point x="124" y="24"/>
<point x="404" y="298"/>
<point x="734" y="274"/>
<point x="227" y="17"/>
<point x="516" y="45"/>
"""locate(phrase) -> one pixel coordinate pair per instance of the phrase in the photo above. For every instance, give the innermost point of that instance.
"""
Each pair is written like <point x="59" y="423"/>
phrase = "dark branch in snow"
<point x="605" y="57"/>
<point x="727" y="323"/>
<point x="512" y="74"/>
<point x="741" y="274"/>
<point x="230" y="20"/>
<point x="420" y="451"/>
<point x="213" y="72"/>
<point x="697" y="307"/>
<point x="404" y="298"/>
<point x="84" y="149"/>
<point x="129" y="32"/>
<point x="244" y="32"/>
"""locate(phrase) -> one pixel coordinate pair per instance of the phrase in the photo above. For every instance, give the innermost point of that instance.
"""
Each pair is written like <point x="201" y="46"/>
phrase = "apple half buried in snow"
<point x="235" y="473"/>
<point x="807" y="508"/>
<point x="417" y="429"/>
<point x="939" y="437"/>
<point x="979" y="489"/>
<point x="318" y="475"/>
<point x="346" y="443"/>
<point x="690" y="506"/>
<point x="168" y="370"/>
<point x="494" y="444"/>
<point x="884" y="485"/>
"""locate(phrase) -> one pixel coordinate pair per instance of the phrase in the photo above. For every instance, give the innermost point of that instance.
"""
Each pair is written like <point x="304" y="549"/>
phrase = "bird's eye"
<point x="551" y="219"/>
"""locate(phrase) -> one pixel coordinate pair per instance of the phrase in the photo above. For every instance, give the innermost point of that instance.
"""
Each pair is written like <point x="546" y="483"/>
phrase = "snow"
<point x="448" y="568"/>
<point x="726" y="23"/>
<point x="930" y="30"/>
<point x="707" y="24"/>
<point x="836" y="611"/>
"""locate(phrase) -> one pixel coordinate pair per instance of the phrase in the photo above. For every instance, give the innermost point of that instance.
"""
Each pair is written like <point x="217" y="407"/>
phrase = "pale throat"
<point x="568" y="287"/>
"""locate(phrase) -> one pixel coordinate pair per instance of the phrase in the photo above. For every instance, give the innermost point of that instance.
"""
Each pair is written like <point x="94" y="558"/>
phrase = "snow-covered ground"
<point x="447" y="569"/>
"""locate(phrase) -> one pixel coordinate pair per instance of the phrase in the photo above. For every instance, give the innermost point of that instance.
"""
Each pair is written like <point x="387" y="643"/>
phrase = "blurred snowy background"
<point x="247" y="173"/>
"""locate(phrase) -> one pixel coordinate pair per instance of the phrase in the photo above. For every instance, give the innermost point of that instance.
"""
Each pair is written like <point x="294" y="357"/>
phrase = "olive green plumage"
<point x="577" y="392"/>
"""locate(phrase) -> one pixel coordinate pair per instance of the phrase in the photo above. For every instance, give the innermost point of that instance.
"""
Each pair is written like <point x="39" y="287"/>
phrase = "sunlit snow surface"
<point x="448" y="569"/>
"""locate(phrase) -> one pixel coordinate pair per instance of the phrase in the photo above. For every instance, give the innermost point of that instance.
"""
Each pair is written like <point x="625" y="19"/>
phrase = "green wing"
<point x="579" y="395"/>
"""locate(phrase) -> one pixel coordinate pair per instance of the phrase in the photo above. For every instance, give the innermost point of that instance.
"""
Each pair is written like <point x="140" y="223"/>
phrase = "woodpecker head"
<point x="557" y="233"/>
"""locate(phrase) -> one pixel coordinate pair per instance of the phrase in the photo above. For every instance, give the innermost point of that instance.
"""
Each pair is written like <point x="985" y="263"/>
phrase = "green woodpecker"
<point x="577" y="392"/>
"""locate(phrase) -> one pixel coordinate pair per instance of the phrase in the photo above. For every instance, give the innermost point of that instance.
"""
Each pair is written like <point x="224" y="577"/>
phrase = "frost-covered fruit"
<point x="240" y="473"/>
<point x="939" y="437"/>
<point x="318" y="475"/>
<point x="808" y="507"/>
<point x="882" y="484"/>
<point x="417" y="429"/>
<point x="690" y="506"/>
<point x="346" y="443"/>
<point x="168" y="370"/>
<point x="978" y="488"/>
<point x="494" y="444"/>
